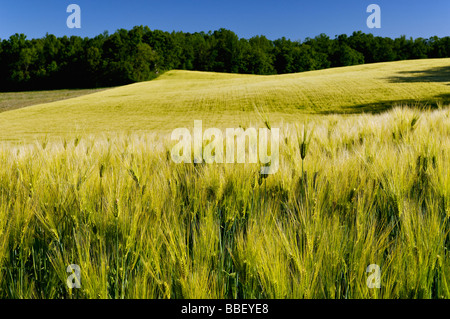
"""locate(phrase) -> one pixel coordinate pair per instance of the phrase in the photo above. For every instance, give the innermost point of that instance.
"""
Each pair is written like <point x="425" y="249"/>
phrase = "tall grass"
<point x="375" y="190"/>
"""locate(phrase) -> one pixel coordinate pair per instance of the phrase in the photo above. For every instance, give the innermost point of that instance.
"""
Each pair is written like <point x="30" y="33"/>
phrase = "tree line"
<point x="140" y="54"/>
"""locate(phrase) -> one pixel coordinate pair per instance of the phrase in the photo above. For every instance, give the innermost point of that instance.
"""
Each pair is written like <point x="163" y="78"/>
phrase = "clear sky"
<point x="294" y="19"/>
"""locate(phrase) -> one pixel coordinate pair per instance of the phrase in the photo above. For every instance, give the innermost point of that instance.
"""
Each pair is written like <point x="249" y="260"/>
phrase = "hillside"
<point x="16" y="100"/>
<point x="176" y="98"/>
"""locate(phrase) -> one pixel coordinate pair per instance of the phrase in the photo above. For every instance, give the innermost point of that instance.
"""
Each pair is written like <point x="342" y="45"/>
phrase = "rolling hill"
<point x="177" y="98"/>
<point x="16" y="100"/>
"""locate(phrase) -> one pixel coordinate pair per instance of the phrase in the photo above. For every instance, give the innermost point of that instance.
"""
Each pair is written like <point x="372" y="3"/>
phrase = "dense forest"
<point x="141" y="54"/>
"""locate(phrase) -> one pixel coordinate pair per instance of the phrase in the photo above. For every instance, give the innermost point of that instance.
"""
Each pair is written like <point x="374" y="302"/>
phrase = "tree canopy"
<point x="140" y="54"/>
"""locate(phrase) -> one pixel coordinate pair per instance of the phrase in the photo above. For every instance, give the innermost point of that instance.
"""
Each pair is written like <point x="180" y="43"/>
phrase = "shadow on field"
<point x="437" y="74"/>
<point x="431" y="75"/>
<point x="380" y="107"/>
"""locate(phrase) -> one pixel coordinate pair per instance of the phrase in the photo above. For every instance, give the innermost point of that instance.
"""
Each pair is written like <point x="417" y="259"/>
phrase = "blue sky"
<point x="293" y="19"/>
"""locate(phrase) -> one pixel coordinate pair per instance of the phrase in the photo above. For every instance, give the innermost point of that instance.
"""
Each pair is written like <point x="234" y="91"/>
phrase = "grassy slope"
<point x="16" y="100"/>
<point x="178" y="97"/>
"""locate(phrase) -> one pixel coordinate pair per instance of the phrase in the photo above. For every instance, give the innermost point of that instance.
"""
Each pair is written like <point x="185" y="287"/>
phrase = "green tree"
<point x="257" y="56"/>
<point x="141" y="64"/>
<point x="227" y="54"/>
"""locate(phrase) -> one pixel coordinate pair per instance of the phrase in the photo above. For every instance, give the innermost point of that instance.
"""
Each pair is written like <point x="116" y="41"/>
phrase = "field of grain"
<point x="177" y="98"/>
<point x="90" y="181"/>
<point x="16" y="100"/>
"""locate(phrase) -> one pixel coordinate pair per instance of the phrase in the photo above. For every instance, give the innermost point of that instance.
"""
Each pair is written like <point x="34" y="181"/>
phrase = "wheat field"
<point x="16" y="100"/>
<point x="177" y="98"/>
<point x="370" y="189"/>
